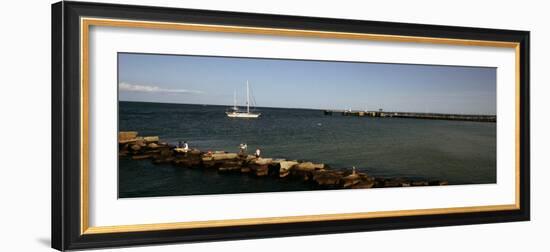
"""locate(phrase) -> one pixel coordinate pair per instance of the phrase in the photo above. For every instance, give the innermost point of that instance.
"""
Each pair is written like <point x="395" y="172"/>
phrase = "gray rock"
<point x="328" y="178"/>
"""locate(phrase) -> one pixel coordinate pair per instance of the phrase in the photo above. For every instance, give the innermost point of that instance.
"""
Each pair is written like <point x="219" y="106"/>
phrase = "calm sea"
<point x="459" y="152"/>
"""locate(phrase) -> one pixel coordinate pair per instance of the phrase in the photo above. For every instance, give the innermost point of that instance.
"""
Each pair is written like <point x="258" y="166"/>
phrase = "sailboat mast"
<point x="235" y="99"/>
<point x="247" y="98"/>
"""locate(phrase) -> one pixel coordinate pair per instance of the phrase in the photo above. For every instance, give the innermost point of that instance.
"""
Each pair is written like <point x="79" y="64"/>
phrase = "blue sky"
<point x="307" y="84"/>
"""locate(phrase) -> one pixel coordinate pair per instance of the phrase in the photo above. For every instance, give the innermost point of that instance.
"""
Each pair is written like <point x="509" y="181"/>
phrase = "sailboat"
<point x="235" y="113"/>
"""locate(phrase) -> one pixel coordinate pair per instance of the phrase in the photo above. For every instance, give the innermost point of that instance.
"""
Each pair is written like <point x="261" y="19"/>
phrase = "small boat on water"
<point x="236" y="113"/>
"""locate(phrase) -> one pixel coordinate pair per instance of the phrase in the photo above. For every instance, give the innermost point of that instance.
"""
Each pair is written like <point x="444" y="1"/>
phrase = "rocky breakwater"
<point x="151" y="148"/>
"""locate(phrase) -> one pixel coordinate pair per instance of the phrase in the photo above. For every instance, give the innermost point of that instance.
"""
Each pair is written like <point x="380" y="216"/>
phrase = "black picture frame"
<point x="66" y="155"/>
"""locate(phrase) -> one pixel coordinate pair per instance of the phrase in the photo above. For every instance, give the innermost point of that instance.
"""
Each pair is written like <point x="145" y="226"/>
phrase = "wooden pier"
<point x="415" y="115"/>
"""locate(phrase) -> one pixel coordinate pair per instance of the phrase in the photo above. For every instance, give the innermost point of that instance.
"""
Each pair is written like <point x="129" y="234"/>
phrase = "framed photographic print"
<point x="180" y="125"/>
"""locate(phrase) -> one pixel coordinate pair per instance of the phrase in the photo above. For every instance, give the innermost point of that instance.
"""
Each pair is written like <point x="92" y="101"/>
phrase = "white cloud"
<point x="123" y="86"/>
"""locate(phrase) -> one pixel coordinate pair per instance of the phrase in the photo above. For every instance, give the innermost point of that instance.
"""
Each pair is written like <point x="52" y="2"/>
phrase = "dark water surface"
<point x="456" y="151"/>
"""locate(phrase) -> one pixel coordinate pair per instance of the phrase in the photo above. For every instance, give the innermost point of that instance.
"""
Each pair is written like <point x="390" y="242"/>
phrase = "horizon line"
<point x="320" y="109"/>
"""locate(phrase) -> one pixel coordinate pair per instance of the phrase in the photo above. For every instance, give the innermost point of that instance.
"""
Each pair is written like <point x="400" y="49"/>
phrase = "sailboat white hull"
<point x="243" y="115"/>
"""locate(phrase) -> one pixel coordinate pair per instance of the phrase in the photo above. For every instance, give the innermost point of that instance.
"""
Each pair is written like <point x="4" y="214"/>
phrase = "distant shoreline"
<point x="315" y="109"/>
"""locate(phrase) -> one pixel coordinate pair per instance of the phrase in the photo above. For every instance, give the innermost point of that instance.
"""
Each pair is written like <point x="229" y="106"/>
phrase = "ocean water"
<point x="455" y="151"/>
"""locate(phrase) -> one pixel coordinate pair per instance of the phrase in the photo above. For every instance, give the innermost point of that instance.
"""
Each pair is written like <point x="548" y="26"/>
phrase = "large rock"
<point x="351" y="180"/>
<point x="285" y="166"/>
<point x="309" y="166"/>
<point x="230" y="166"/>
<point x="259" y="169"/>
<point x="141" y="143"/>
<point x="328" y="178"/>
<point x="123" y="147"/>
<point x="305" y="170"/>
<point x="224" y="156"/>
<point x="262" y="161"/>
<point x="262" y="170"/>
<point x="180" y="152"/>
<point x="260" y="166"/>
<point x="277" y="161"/>
<point x="304" y="175"/>
<point x="151" y="139"/>
<point x="217" y="160"/>
<point x="195" y="152"/>
<point x="127" y="136"/>
<point x="164" y="156"/>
